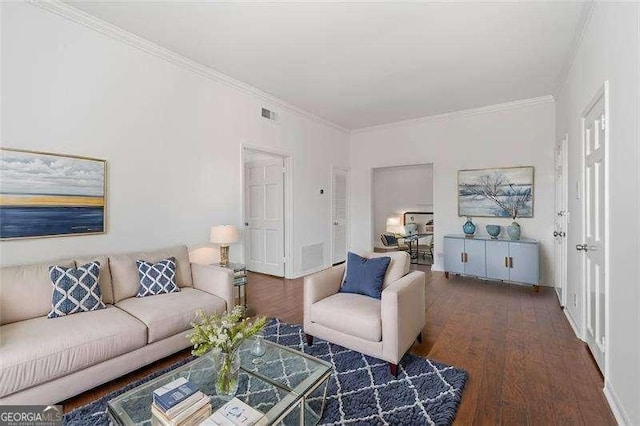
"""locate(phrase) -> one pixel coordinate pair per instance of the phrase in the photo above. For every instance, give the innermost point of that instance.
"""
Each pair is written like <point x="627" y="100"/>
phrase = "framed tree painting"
<point x="501" y="192"/>
<point x="47" y="195"/>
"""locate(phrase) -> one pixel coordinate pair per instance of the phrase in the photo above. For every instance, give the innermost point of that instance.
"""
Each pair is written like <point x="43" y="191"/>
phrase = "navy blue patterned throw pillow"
<point x="75" y="289"/>
<point x="365" y="276"/>
<point x="157" y="278"/>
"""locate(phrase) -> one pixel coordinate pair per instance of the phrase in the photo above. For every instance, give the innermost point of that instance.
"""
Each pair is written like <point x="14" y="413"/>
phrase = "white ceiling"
<point x="359" y="64"/>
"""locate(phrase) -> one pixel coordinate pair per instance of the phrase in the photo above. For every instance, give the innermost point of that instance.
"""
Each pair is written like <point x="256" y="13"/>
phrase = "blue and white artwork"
<point x="503" y="192"/>
<point x="44" y="194"/>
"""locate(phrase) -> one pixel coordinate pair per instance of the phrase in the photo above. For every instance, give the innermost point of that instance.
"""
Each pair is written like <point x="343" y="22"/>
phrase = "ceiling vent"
<point x="268" y="114"/>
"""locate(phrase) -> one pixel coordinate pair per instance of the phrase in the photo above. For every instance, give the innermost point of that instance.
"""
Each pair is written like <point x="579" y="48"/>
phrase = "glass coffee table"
<point x="288" y="386"/>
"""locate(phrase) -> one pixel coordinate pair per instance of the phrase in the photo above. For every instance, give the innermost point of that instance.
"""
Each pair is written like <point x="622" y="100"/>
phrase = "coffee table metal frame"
<point x="295" y="397"/>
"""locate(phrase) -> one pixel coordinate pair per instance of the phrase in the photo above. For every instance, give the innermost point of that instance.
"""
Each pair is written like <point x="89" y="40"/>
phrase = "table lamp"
<point x="394" y="226"/>
<point x="224" y="235"/>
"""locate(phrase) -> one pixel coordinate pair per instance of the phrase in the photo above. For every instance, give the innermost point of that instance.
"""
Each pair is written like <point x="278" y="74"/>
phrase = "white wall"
<point x="609" y="51"/>
<point x="519" y="134"/>
<point x="398" y="190"/>
<point x="172" y="137"/>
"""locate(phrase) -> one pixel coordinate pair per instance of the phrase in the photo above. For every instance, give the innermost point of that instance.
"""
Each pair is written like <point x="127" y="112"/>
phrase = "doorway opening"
<point x="267" y="211"/>
<point x="402" y="211"/>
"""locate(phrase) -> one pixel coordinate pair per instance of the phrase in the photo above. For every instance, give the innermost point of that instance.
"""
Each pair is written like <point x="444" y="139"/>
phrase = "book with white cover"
<point x="236" y="413"/>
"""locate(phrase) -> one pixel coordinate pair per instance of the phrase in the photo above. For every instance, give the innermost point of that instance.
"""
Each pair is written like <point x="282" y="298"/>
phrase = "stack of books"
<point x="179" y="403"/>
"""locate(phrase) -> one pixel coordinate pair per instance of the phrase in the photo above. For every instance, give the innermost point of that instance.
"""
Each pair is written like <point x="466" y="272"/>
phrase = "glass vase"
<point x="258" y="349"/>
<point x="227" y="367"/>
<point x="514" y="230"/>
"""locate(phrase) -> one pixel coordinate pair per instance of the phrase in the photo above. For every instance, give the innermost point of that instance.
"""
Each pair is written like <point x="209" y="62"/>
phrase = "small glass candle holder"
<point x="258" y="349"/>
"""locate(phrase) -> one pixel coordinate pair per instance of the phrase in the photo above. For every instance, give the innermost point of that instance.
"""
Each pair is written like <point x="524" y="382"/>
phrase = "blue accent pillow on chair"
<point x="157" y="278"/>
<point x="365" y="276"/>
<point x="75" y="289"/>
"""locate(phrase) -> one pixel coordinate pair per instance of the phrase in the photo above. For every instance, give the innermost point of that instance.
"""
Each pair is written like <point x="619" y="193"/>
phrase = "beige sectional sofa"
<point x="45" y="361"/>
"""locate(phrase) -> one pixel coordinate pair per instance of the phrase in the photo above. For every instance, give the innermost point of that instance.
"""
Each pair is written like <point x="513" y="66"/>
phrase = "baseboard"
<point x="572" y="323"/>
<point x="619" y="413"/>
<point x="309" y="272"/>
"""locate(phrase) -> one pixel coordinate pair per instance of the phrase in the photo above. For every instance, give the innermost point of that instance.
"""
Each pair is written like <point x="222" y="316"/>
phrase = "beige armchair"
<point x="383" y="329"/>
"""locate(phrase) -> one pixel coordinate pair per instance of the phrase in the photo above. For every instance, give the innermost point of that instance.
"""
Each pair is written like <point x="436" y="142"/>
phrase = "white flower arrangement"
<point x="225" y="332"/>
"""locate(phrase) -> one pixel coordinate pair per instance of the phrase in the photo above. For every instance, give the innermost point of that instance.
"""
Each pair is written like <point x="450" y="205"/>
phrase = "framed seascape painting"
<point x="501" y="192"/>
<point x="51" y="195"/>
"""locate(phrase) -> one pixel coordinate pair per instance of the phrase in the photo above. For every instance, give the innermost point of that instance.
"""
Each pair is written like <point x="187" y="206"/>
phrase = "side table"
<point x="239" y="280"/>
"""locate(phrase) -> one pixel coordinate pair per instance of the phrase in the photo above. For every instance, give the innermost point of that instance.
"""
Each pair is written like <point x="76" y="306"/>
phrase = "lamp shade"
<point x="224" y="234"/>
<point x="394" y="226"/>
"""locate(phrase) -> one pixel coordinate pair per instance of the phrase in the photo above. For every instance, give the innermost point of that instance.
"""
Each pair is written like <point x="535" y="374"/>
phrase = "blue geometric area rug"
<point x="361" y="389"/>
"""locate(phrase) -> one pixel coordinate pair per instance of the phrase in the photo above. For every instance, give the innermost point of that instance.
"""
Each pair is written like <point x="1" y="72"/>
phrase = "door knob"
<point x="555" y="233"/>
<point x="582" y="247"/>
<point x="335" y="223"/>
<point x="562" y="234"/>
<point x="246" y="224"/>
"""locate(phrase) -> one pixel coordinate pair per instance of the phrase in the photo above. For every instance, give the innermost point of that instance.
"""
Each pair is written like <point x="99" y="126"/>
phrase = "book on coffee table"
<point x="178" y="408"/>
<point x="236" y="413"/>
<point x="189" y="416"/>
<point x="173" y="393"/>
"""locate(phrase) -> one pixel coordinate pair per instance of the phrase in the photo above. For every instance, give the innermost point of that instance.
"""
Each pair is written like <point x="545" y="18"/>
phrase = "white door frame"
<point x="603" y="92"/>
<point x="564" y="145"/>
<point x="373" y="236"/>
<point x="287" y="158"/>
<point x="347" y="170"/>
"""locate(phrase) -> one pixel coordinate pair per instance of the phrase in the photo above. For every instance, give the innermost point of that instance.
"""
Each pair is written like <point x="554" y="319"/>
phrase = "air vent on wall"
<point x="268" y="114"/>
<point x="312" y="256"/>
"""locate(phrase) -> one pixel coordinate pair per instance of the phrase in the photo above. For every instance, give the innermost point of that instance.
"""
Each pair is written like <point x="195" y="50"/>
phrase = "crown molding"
<point x="459" y="114"/>
<point x="575" y="47"/>
<point x="119" y="34"/>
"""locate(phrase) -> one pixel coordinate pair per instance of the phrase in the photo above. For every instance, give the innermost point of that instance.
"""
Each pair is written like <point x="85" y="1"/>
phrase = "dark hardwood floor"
<point x="525" y="365"/>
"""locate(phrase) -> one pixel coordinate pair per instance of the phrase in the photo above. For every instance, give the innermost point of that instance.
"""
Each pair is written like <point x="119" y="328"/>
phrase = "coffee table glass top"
<point x="291" y="369"/>
<point x="273" y="383"/>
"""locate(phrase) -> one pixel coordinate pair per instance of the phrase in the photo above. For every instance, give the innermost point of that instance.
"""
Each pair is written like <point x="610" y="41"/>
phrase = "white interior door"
<point x="264" y="216"/>
<point x="339" y="214"/>
<point x="594" y="230"/>
<point x="561" y="219"/>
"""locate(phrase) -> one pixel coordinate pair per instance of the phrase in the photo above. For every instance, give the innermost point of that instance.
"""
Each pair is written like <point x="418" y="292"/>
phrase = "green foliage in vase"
<point x="225" y="332"/>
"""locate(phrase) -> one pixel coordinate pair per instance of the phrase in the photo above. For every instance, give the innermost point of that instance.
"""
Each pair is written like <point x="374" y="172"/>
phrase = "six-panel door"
<point x="454" y="255"/>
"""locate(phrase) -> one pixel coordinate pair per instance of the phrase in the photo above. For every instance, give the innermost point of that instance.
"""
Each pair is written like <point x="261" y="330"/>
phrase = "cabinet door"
<point x="497" y="260"/>
<point x="475" y="258"/>
<point x="525" y="266"/>
<point x="453" y="249"/>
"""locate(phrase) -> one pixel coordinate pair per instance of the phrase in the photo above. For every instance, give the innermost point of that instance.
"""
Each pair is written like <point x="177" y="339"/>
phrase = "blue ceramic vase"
<point x="469" y="228"/>
<point x="514" y="230"/>
<point x="494" y="231"/>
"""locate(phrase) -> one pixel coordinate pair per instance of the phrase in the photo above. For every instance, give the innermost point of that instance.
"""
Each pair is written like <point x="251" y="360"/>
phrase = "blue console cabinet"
<point x="483" y="257"/>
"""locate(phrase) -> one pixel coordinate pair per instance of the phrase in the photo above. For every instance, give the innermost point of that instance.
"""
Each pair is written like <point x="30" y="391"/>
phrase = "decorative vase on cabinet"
<point x="469" y="228"/>
<point x="514" y="230"/>
<point x="493" y="230"/>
